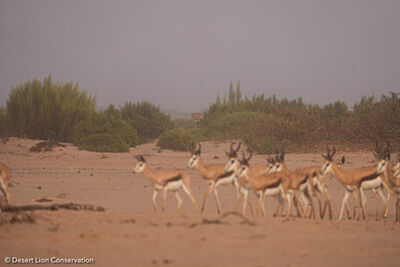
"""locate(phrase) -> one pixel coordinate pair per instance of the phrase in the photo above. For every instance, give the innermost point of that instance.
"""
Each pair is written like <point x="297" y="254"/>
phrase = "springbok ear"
<point x="227" y="153"/>
<point x="375" y="154"/>
<point x="387" y="156"/>
<point x="324" y="156"/>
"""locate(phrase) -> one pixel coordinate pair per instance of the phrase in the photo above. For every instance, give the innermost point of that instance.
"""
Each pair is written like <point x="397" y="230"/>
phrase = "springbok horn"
<point x="251" y="154"/>
<point x="333" y="151"/>
<point x="238" y="147"/>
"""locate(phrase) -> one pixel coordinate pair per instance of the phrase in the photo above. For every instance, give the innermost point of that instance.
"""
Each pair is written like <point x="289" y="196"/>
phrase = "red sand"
<point x="130" y="234"/>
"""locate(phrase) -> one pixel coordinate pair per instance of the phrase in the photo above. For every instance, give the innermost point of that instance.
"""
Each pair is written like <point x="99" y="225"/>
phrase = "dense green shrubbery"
<point x="147" y="119"/>
<point x="103" y="143"/>
<point x="107" y="126"/>
<point x="62" y="112"/>
<point x="266" y="123"/>
<point x="183" y="123"/>
<point x="265" y="145"/>
<point x="177" y="139"/>
<point x="47" y="110"/>
<point x="3" y="122"/>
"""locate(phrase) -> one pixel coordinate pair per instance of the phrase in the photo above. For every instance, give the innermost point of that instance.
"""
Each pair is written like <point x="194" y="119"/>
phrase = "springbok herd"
<point x="302" y="186"/>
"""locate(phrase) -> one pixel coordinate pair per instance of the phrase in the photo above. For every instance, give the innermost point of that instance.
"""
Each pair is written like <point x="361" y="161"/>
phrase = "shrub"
<point x="235" y="124"/>
<point x="109" y="123"/>
<point x="103" y="143"/>
<point x="3" y="123"/>
<point x="177" y="139"/>
<point x="266" y="145"/>
<point x="184" y="123"/>
<point x="146" y="119"/>
<point x="44" y="109"/>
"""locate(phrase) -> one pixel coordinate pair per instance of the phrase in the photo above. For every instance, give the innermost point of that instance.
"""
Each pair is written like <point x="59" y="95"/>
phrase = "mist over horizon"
<point x="180" y="55"/>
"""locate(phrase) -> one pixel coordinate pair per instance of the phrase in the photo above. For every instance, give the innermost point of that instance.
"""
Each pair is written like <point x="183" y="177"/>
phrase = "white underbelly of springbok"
<point x="171" y="186"/>
<point x="226" y="180"/>
<point x="273" y="191"/>
<point x="371" y="184"/>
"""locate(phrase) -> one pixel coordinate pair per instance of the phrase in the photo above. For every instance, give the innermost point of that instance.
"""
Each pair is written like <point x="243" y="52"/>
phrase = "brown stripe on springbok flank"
<point x="224" y="175"/>
<point x="369" y="177"/>
<point x="173" y="179"/>
<point x="304" y="180"/>
<point x="276" y="184"/>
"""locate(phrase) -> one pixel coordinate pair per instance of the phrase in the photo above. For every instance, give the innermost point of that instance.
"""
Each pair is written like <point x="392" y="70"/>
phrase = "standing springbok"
<point x="396" y="168"/>
<point x="392" y="175"/>
<point x="360" y="179"/>
<point x="265" y="184"/>
<point x="214" y="173"/>
<point x="5" y="174"/>
<point x="233" y="165"/>
<point x="166" y="180"/>
<point x="321" y="192"/>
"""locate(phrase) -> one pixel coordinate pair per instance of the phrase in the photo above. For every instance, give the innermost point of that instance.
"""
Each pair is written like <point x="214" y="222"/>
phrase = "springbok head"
<point x="327" y="166"/>
<point x="140" y="165"/>
<point x="279" y="161"/>
<point x="242" y="171"/>
<point x="382" y="156"/>
<point x="194" y="158"/>
<point x="271" y="165"/>
<point x="233" y="162"/>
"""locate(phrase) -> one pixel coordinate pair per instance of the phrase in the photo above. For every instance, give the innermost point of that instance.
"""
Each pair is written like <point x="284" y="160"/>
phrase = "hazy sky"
<point x="179" y="54"/>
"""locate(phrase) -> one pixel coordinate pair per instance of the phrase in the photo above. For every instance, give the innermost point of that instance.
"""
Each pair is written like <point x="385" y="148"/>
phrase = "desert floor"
<point x="129" y="233"/>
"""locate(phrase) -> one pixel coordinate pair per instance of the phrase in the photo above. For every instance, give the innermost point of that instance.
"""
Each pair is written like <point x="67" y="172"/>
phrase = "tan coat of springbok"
<point x="168" y="180"/>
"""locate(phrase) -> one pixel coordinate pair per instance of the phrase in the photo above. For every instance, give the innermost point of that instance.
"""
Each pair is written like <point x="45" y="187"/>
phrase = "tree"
<point x="48" y="110"/>
<point x="218" y="101"/>
<point x="231" y="94"/>
<point x="238" y="93"/>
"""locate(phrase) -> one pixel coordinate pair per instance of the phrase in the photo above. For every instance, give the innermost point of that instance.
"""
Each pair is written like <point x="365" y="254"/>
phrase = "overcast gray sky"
<point x="179" y="54"/>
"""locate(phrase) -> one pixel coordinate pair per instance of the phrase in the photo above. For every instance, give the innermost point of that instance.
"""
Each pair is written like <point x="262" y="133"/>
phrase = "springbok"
<point x="5" y="174"/>
<point x="392" y="175"/>
<point x="214" y="173"/>
<point x="320" y="190"/>
<point x="264" y="184"/>
<point x="254" y="170"/>
<point x="166" y="180"/>
<point x="359" y="179"/>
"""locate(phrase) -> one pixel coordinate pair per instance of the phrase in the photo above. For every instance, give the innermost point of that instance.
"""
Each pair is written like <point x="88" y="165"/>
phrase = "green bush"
<point x="108" y="123"/>
<point x="47" y="110"/>
<point x="266" y="145"/>
<point x="3" y="122"/>
<point x="103" y="143"/>
<point x="177" y="139"/>
<point x="283" y="121"/>
<point x="184" y="123"/>
<point x="147" y="119"/>
<point x="235" y="124"/>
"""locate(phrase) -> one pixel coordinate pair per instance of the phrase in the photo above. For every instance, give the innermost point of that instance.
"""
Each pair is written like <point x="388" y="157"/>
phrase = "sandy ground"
<point x="128" y="233"/>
